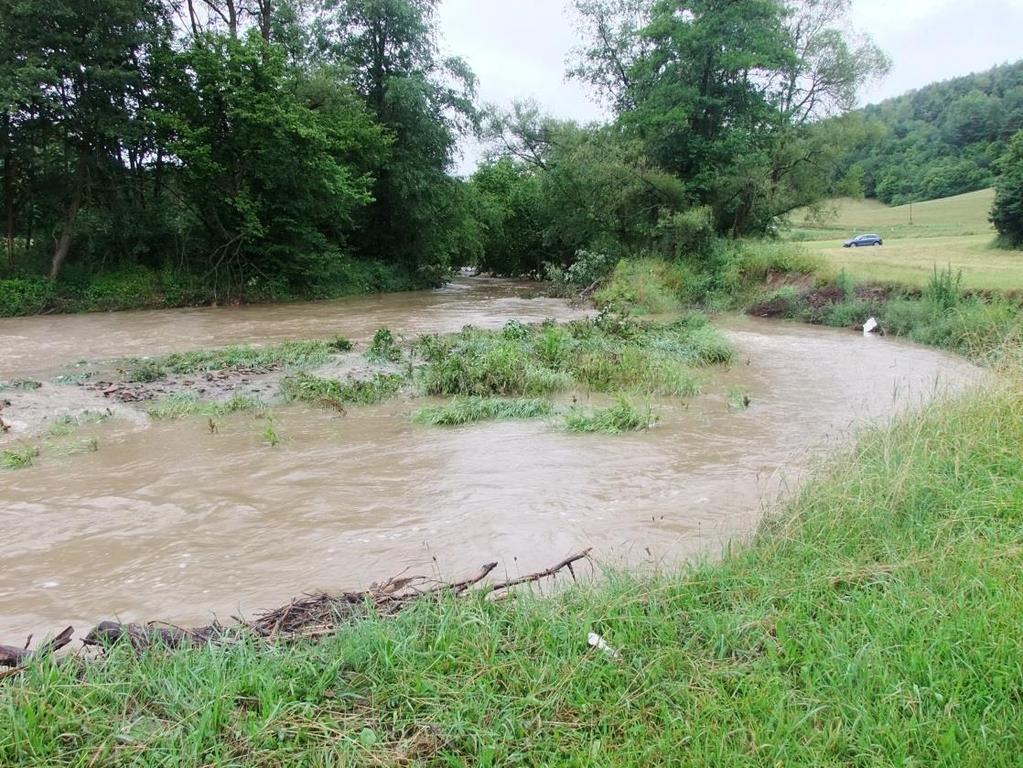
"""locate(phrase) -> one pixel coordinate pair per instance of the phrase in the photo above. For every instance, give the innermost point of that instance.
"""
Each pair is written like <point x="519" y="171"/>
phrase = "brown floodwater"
<point x="168" y="521"/>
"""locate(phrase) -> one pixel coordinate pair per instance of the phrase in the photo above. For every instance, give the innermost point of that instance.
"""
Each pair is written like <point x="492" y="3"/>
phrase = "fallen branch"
<point x="17" y="657"/>
<point x="307" y="617"/>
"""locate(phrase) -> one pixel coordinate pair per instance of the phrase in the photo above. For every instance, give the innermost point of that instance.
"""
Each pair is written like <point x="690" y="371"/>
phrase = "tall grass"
<point x="609" y="355"/>
<point x="472" y="409"/>
<point x="623" y="416"/>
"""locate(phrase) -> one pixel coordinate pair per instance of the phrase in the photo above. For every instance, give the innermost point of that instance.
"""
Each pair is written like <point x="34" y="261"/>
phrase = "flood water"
<point x="168" y="521"/>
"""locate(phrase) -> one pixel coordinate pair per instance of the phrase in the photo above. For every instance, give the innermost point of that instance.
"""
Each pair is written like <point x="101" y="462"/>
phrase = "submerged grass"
<point x="621" y="417"/>
<point x="237" y="358"/>
<point x="182" y="405"/>
<point x="473" y="409"/>
<point x="19" y="457"/>
<point x="873" y="621"/>
<point x="335" y="393"/>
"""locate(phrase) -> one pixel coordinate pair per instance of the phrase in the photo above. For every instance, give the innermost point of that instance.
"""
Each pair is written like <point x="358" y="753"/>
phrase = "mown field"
<point x="951" y="232"/>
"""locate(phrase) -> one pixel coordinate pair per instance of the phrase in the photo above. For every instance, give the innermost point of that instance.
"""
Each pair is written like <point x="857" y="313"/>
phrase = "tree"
<point x="724" y="94"/>
<point x="274" y="169"/>
<point x="1007" y="213"/>
<point x="389" y="47"/>
<point x="75" y="92"/>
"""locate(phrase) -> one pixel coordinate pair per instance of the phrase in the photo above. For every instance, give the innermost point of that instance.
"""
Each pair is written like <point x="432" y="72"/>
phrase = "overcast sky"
<point x="518" y="48"/>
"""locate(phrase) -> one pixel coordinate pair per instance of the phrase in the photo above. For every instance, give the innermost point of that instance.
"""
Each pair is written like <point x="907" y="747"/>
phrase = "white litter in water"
<point x="598" y="642"/>
<point x="870" y="326"/>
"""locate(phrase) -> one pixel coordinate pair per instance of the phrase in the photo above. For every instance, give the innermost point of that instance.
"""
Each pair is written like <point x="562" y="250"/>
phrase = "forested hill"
<point x="941" y="140"/>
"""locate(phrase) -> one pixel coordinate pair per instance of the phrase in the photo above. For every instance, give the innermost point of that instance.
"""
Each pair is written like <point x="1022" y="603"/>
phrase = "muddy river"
<point x="171" y="521"/>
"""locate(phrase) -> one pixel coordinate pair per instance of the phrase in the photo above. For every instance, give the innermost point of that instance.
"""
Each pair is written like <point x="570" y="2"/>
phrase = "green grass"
<point x="873" y="622"/>
<point x="19" y="457"/>
<point x="472" y="409"/>
<point x="951" y="231"/>
<point x="183" y="405"/>
<point x="946" y="217"/>
<point x="910" y="261"/>
<point x="336" y="394"/>
<point x="237" y="358"/>
<point x="612" y="354"/>
<point x="643" y="285"/>
<point x="623" y="416"/>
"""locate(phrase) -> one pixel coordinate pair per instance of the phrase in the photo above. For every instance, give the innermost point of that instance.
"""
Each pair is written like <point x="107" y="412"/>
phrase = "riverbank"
<point x="873" y="620"/>
<point x="142" y="288"/>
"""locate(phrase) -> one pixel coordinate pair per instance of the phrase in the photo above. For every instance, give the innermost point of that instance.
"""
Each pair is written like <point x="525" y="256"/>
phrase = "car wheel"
<point x="878" y="243"/>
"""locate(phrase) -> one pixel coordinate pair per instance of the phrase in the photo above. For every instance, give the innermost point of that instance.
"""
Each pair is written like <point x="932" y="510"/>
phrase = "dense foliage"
<point x="941" y="140"/>
<point x="1007" y="214"/>
<point x="718" y="128"/>
<point x="264" y="149"/>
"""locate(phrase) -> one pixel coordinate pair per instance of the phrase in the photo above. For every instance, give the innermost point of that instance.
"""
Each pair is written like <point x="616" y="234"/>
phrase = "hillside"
<point x="938" y="141"/>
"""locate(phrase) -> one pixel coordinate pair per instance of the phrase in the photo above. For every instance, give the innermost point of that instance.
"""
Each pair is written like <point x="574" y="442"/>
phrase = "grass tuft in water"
<point x="271" y="436"/>
<point x="472" y="409"/>
<point x="621" y="417"/>
<point x="335" y="394"/>
<point x="19" y="458"/>
<point x="739" y="399"/>
<point x="179" y="406"/>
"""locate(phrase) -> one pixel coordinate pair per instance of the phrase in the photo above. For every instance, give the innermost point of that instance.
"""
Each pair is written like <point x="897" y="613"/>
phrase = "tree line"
<point x="241" y="140"/>
<point x="941" y="140"/>
<point x="280" y="148"/>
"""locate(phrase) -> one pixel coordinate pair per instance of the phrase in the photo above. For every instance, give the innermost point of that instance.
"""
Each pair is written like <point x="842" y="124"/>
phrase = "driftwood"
<point x="11" y="656"/>
<point x="307" y="617"/>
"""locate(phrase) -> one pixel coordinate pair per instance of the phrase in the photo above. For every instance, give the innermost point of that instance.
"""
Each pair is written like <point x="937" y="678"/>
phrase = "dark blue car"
<point x="856" y="242"/>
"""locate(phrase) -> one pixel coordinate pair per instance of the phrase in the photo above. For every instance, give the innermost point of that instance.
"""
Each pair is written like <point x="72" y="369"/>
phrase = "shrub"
<point x="645" y="285"/>
<point x="25" y="296"/>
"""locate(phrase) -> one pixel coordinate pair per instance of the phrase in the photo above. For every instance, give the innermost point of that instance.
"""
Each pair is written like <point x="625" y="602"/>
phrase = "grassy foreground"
<point x="873" y="622"/>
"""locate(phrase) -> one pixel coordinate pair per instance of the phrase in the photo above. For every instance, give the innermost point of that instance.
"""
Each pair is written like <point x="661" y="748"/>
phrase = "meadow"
<point x="951" y="232"/>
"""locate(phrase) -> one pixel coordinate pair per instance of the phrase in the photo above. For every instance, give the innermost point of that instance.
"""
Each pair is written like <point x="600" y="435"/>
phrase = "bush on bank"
<point x="142" y="288"/>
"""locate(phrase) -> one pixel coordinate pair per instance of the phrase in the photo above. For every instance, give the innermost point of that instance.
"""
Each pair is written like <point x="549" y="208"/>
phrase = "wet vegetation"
<point x="610" y="354"/>
<point x="333" y="393"/>
<point x="181" y="405"/>
<point x="237" y="358"/>
<point x="623" y="416"/>
<point x="467" y="410"/>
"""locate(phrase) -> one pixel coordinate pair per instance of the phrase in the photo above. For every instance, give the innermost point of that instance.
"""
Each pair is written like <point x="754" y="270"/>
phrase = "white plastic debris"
<point x="870" y="326"/>
<point x="597" y="641"/>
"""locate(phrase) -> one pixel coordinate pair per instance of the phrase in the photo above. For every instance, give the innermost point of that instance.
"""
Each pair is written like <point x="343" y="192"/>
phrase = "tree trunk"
<point x="265" y="18"/>
<point x="9" y="204"/>
<point x="9" y="188"/>
<point x="64" y="244"/>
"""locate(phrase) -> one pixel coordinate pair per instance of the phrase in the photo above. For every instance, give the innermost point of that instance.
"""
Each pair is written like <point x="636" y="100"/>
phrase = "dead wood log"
<point x="147" y="635"/>
<point x="11" y="656"/>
